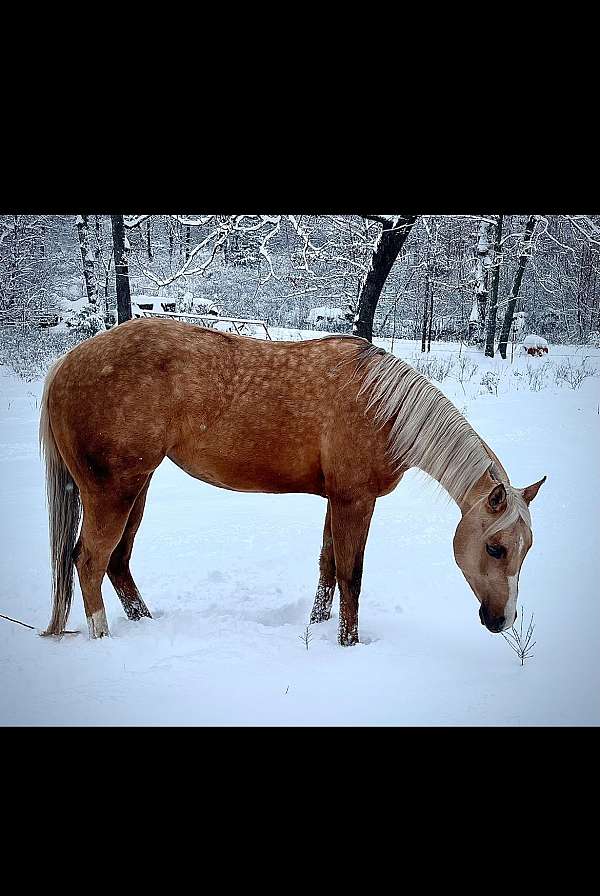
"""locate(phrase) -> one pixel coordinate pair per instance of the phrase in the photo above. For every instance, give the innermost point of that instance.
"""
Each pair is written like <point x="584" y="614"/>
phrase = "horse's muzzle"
<point x="494" y="624"/>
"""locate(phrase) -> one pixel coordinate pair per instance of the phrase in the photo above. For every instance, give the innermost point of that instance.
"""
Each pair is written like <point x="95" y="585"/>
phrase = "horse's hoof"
<point x="135" y="617"/>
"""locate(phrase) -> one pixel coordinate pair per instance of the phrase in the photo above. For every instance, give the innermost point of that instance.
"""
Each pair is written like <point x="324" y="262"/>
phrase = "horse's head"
<point x="490" y="544"/>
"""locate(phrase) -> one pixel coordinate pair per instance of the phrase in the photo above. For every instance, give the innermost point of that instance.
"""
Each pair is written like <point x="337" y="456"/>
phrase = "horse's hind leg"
<point x="321" y="610"/>
<point x="118" y="566"/>
<point x="105" y="515"/>
<point x="350" y="521"/>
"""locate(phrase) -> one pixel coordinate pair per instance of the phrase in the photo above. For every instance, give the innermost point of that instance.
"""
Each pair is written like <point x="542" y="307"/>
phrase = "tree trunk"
<point x="98" y="237"/>
<point x="99" y="259"/>
<point x="148" y="242"/>
<point x="386" y="251"/>
<point x="430" y="318"/>
<point x="514" y="293"/>
<point x="88" y="259"/>
<point x="427" y="297"/>
<point x="491" y="324"/>
<point x="121" y="269"/>
<point x="484" y="260"/>
<point x="425" y="313"/>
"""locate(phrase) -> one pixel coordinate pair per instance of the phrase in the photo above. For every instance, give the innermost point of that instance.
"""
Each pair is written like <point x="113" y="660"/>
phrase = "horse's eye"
<point x="495" y="550"/>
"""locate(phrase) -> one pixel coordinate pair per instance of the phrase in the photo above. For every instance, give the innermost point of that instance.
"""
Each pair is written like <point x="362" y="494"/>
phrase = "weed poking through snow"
<point x="521" y="642"/>
<point x="306" y="638"/>
<point x="573" y="375"/>
<point x="491" y="380"/>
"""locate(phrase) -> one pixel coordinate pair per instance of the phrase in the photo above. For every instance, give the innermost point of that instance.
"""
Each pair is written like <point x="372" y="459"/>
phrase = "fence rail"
<point x="209" y="320"/>
<point x="14" y="317"/>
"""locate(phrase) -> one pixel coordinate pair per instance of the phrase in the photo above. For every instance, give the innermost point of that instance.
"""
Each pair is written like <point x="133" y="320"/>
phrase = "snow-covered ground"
<point x="230" y="579"/>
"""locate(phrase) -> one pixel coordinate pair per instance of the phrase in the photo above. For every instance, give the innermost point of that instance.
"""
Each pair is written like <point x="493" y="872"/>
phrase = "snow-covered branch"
<point x="184" y="270"/>
<point x="591" y="228"/>
<point x="134" y="220"/>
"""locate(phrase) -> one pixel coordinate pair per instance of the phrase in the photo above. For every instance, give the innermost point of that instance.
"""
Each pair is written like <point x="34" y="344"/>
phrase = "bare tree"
<point x="148" y="240"/>
<point x="491" y="322"/>
<point x="88" y="258"/>
<point x="394" y="233"/>
<point x="430" y="272"/>
<point x="27" y="265"/>
<point x="516" y="286"/>
<point x="484" y="261"/>
<point x="121" y="269"/>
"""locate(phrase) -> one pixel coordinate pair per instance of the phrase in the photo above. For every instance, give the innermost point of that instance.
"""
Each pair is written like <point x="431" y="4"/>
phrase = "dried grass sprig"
<point x="521" y="641"/>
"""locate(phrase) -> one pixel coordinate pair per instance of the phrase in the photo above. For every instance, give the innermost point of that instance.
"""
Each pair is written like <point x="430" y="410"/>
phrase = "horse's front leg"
<point x="321" y="610"/>
<point x="350" y="521"/>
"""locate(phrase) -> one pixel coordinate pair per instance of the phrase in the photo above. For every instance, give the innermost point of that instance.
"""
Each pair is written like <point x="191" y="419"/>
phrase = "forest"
<point x="485" y="280"/>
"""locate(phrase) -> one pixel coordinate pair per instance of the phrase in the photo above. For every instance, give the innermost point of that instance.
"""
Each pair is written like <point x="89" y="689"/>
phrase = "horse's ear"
<point x="531" y="491"/>
<point x="496" y="500"/>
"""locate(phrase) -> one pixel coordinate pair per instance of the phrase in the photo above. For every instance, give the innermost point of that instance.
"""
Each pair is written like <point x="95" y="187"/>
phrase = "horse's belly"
<point x="239" y="472"/>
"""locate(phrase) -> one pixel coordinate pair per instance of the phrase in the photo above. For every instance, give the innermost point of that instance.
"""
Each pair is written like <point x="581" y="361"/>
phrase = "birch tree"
<point x="482" y="273"/>
<point x="88" y="258"/>
<point x="429" y="287"/>
<point x="491" y="321"/>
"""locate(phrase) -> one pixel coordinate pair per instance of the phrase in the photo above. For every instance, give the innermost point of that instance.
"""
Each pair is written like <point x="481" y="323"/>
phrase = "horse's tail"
<point x="64" y="513"/>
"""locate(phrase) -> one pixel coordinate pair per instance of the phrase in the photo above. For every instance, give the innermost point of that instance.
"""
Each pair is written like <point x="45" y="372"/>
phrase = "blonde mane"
<point x="428" y="431"/>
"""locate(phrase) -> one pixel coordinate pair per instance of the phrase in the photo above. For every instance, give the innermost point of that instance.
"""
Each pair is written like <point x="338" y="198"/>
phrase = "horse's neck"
<point x="472" y="463"/>
<point x="427" y="431"/>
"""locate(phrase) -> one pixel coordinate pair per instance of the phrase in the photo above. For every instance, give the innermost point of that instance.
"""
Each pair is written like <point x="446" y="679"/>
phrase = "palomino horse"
<point x="335" y="417"/>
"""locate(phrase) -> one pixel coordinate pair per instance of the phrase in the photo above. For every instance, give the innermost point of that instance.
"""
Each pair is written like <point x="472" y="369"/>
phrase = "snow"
<point x="230" y="579"/>
<point x="533" y="341"/>
<point x="200" y="304"/>
<point x="151" y="303"/>
<point x="185" y="304"/>
<point x="325" y="313"/>
<point x="70" y="305"/>
<point x="519" y="324"/>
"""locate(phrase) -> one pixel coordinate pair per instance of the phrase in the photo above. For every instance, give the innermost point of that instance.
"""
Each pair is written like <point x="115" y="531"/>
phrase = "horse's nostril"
<point x="500" y="623"/>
